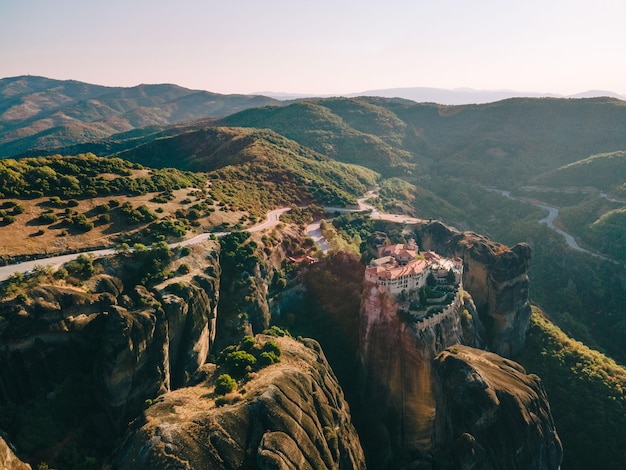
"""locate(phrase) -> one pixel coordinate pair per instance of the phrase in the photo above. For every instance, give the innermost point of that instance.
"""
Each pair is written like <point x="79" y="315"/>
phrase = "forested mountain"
<point x="504" y="142"/>
<point x="40" y="113"/>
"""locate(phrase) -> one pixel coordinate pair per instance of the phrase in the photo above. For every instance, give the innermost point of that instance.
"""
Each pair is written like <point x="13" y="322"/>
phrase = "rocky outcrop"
<point x="395" y="356"/>
<point x="249" y="263"/>
<point x="289" y="415"/>
<point x="8" y="460"/>
<point x="491" y="414"/>
<point x="127" y="343"/>
<point x="497" y="278"/>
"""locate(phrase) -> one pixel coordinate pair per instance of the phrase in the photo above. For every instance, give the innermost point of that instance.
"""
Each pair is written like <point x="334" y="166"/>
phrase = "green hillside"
<point x="257" y="169"/>
<point x="609" y="233"/>
<point x="314" y="125"/>
<point x="587" y="393"/>
<point x="86" y="176"/>
<point x="604" y="171"/>
<point x="506" y="142"/>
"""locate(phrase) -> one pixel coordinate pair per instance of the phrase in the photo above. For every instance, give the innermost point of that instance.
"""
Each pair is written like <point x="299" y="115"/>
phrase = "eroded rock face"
<point x="497" y="278"/>
<point x="491" y="414"/>
<point x="8" y="460"/>
<point x="396" y="357"/>
<point x="128" y="342"/>
<point x="292" y="415"/>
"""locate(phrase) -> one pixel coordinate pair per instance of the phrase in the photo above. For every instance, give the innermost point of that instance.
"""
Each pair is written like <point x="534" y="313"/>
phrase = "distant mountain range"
<point x="38" y="113"/>
<point x="457" y="96"/>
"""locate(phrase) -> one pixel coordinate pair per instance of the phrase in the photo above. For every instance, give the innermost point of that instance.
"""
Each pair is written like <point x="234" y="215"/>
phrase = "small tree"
<point x="225" y="384"/>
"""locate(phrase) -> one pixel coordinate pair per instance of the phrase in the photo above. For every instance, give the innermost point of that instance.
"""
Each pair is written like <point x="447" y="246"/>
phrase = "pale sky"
<point x="320" y="46"/>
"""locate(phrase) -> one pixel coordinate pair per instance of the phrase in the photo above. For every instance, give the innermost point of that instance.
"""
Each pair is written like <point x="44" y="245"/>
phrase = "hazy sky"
<point x="322" y="46"/>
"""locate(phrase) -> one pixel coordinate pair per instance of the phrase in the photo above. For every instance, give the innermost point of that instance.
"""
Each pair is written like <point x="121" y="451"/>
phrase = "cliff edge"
<point x="8" y="460"/>
<point x="288" y="415"/>
<point x="491" y="414"/>
<point x="497" y="278"/>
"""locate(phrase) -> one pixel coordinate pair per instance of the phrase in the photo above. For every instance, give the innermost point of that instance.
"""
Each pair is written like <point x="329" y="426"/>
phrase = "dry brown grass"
<point x="22" y="236"/>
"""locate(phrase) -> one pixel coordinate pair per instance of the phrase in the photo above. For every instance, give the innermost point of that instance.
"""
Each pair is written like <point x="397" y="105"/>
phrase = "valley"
<point x="232" y="317"/>
<point x="553" y="214"/>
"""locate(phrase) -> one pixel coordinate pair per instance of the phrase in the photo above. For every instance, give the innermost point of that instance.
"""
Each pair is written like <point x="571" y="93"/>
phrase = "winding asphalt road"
<point x="56" y="261"/>
<point x="553" y="213"/>
<point x="314" y="232"/>
<point x="271" y="220"/>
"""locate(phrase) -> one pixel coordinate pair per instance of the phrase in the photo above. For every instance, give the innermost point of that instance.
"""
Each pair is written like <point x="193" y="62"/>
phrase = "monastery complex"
<point x="402" y="267"/>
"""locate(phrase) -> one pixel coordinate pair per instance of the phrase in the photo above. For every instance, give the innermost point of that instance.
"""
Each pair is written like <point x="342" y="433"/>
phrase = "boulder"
<point x="490" y="414"/>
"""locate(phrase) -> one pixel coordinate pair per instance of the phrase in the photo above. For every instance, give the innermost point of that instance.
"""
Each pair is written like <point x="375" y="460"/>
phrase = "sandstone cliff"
<point x="8" y="460"/>
<point x="497" y="278"/>
<point x="289" y="415"/>
<point x="395" y="356"/>
<point x="249" y="263"/>
<point x="116" y="343"/>
<point x="491" y="414"/>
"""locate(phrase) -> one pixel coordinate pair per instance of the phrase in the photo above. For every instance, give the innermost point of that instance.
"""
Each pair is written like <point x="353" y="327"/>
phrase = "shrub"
<point x="247" y="343"/>
<point x="272" y="347"/>
<point x="141" y="214"/>
<point x="221" y="401"/>
<point x="225" y="384"/>
<point x="276" y="331"/>
<point x="48" y="218"/>
<point x="183" y="269"/>
<point x="104" y="219"/>
<point x="61" y="273"/>
<point x="82" y="267"/>
<point x="80" y="222"/>
<point x="171" y="227"/>
<point x="102" y="208"/>
<point x="194" y="214"/>
<point x="240" y="362"/>
<point x="55" y="201"/>
<point x="267" y="359"/>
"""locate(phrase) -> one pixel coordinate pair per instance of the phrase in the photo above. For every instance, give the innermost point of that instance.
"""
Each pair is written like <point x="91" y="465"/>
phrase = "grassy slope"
<point x="587" y="393"/>
<point x="53" y="191"/>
